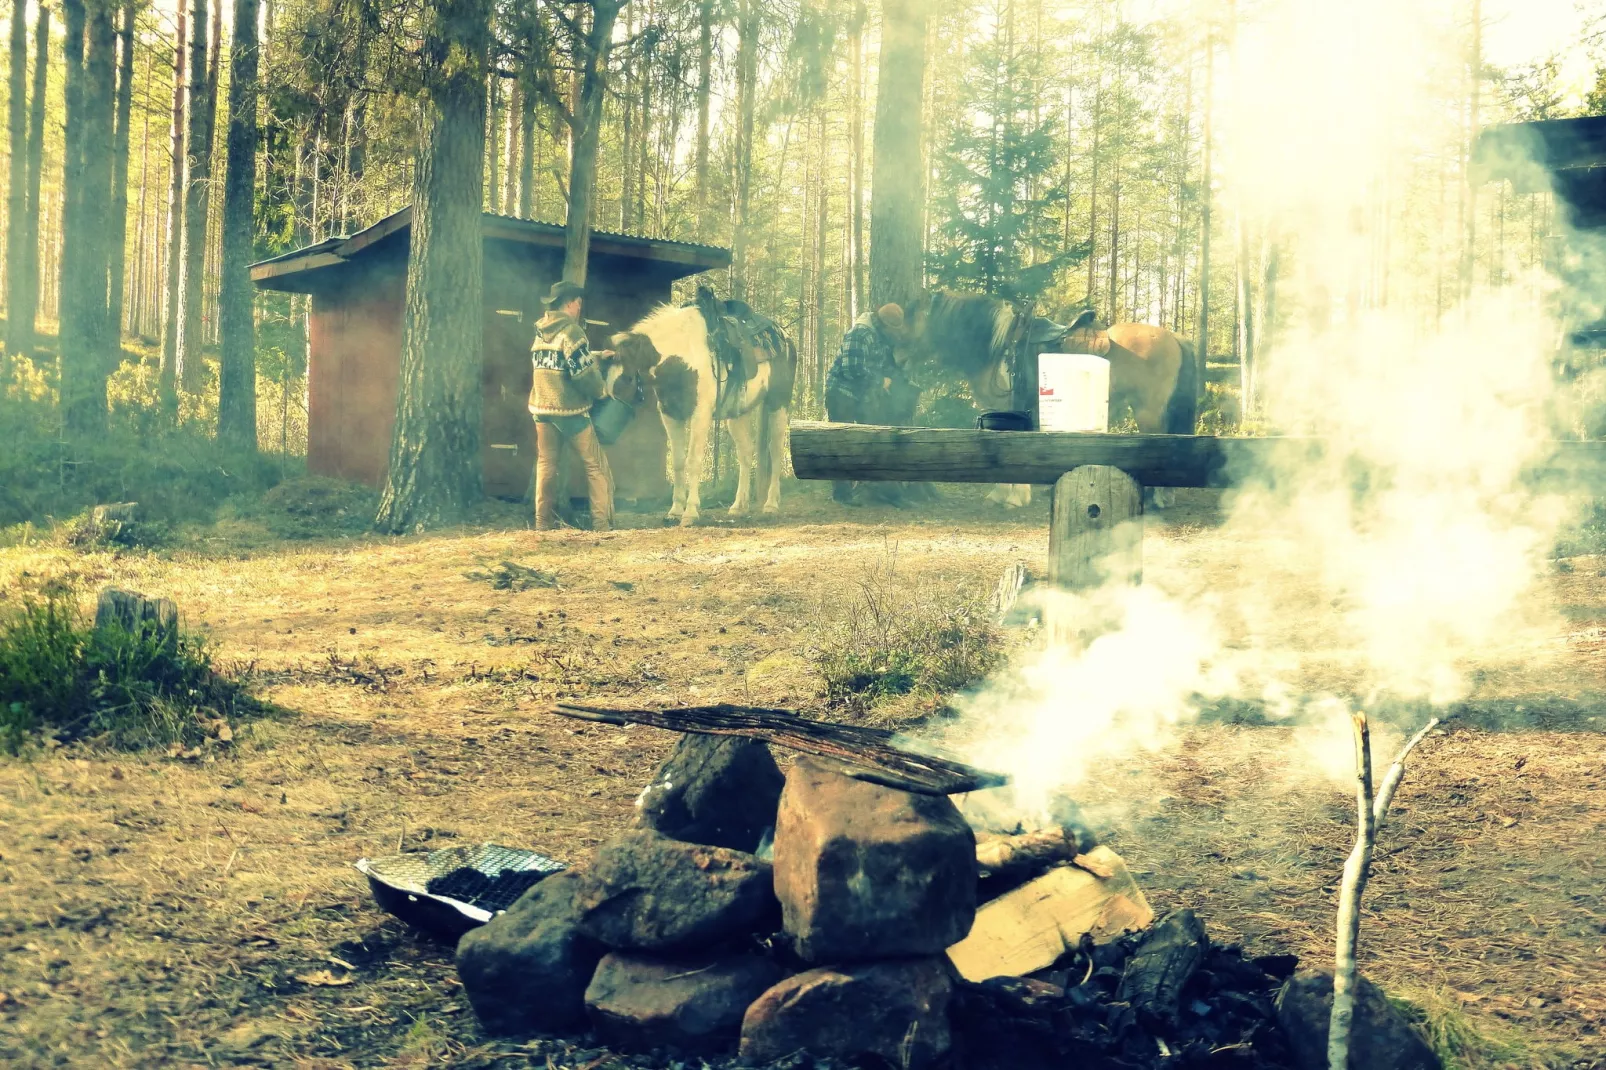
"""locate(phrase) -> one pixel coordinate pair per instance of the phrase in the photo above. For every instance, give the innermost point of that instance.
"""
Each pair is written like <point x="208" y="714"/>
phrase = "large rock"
<point x="891" y="1011"/>
<point x="718" y="790"/>
<point x="646" y="892"/>
<point x="639" y="1002"/>
<point x="526" y="971"/>
<point x="1380" y="1039"/>
<point x="867" y="872"/>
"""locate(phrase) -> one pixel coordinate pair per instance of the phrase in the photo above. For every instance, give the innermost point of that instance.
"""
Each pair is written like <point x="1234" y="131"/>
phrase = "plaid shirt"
<point x="863" y="362"/>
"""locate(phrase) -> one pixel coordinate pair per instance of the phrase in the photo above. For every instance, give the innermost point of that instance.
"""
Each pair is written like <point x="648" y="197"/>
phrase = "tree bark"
<point x="168" y="379"/>
<point x="26" y="311"/>
<point x="705" y="65"/>
<point x="1205" y="199"/>
<point x="17" y="180"/>
<point x="237" y="394"/>
<point x="118" y="236"/>
<point x="526" y="207"/>
<point x="857" y="296"/>
<point x="435" y="467"/>
<point x="91" y="61"/>
<point x="746" y="105"/>
<point x="197" y="201"/>
<point x="897" y="181"/>
<point x="587" y="125"/>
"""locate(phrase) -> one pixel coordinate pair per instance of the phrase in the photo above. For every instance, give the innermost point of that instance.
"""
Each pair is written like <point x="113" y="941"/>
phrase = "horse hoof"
<point x="771" y="509"/>
<point x="688" y="520"/>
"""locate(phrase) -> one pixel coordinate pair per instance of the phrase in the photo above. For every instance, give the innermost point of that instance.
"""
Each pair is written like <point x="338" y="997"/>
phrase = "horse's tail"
<point x="1182" y="410"/>
<point x="783" y="378"/>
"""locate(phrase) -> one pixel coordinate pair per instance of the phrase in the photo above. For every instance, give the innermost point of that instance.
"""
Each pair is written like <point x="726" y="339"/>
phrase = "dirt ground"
<point x="190" y="911"/>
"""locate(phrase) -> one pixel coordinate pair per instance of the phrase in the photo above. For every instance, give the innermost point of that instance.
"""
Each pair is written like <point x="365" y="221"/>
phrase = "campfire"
<point x="763" y="914"/>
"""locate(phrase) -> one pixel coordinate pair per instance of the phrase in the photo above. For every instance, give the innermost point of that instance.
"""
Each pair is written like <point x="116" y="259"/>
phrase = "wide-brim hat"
<point x="890" y="317"/>
<point x="564" y="292"/>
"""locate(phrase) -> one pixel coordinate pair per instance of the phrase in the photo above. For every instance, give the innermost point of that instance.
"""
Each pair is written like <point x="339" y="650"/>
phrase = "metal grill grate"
<point x="401" y="883"/>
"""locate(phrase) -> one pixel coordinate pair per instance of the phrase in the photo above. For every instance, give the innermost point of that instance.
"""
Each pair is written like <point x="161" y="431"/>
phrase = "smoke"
<point x="1401" y="563"/>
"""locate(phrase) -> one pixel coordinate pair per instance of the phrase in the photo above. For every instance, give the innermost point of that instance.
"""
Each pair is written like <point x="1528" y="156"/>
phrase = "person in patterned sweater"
<point x="567" y="382"/>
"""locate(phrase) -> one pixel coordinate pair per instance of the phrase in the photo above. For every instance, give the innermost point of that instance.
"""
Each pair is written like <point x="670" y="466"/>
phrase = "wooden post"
<point x="1096" y="533"/>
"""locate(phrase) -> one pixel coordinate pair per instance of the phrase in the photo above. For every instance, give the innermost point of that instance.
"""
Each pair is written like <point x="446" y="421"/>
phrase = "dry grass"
<point x="158" y="912"/>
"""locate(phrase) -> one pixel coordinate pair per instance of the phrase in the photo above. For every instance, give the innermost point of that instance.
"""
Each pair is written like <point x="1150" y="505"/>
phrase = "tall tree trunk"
<point x="237" y="377"/>
<point x="526" y="208"/>
<point x="897" y="181"/>
<point x="17" y="183"/>
<point x="857" y="298"/>
<point x="514" y="138"/>
<point x="747" y="26"/>
<point x="1205" y="198"/>
<point x="91" y="66"/>
<point x="493" y="141"/>
<point x="587" y="137"/>
<point x="644" y="136"/>
<point x="1469" y="192"/>
<point x="26" y="311"/>
<point x="705" y="89"/>
<point x="197" y="199"/>
<point x="118" y="235"/>
<point x="171" y="323"/>
<point x="435" y="466"/>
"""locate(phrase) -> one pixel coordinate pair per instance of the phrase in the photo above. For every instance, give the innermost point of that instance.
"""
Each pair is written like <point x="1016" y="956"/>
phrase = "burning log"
<point x="866" y="753"/>
<point x="1031" y="927"/>
<point x="1009" y="858"/>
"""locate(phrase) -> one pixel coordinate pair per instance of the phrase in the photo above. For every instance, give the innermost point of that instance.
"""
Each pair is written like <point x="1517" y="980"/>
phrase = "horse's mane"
<point x="967" y="332"/>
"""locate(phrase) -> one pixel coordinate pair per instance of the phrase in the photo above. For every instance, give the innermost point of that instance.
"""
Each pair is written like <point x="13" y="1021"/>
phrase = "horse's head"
<point x="635" y="353"/>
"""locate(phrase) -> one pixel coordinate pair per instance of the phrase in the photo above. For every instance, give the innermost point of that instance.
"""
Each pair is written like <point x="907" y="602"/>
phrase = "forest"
<point x="1079" y="155"/>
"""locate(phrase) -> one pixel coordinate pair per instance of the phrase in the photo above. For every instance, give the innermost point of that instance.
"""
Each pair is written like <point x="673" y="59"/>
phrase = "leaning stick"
<point x="868" y="753"/>
<point x="1369" y="813"/>
<point x="1356" y="870"/>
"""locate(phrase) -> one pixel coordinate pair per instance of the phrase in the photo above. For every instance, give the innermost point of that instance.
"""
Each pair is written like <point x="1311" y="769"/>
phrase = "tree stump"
<point x="136" y="614"/>
<point x="1096" y="533"/>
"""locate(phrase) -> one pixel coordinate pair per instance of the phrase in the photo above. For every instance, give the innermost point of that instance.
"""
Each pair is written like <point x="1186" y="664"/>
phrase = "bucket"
<point x="610" y="417"/>
<point x="1073" y="392"/>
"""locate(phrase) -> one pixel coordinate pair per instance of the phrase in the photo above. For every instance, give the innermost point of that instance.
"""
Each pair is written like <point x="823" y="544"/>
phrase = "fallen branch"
<point x="868" y="753"/>
<point x="1369" y="813"/>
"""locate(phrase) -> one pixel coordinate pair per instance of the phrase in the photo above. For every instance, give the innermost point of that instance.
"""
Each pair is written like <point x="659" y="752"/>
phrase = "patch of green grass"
<point x="62" y="677"/>
<point x="1460" y="1042"/>
<point x="900" y="638"/>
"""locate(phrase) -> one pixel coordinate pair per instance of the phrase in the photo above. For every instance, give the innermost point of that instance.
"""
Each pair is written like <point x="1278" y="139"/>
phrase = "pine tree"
<point x="999" y="184"/>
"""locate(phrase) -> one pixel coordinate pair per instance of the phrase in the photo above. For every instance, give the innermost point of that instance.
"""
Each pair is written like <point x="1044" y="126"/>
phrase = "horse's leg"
<point x="777" y="449"/>
<point x="677" y="465"/>
<point x="700" y="426"/>
<point x="744" y="433"/>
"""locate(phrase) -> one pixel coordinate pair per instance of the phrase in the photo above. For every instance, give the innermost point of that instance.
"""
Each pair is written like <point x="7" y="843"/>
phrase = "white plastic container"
<point x="1073" y="392"/>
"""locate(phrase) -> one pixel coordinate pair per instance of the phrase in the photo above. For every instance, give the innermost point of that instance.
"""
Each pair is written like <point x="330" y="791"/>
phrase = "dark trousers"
<point x="895" y="406"/>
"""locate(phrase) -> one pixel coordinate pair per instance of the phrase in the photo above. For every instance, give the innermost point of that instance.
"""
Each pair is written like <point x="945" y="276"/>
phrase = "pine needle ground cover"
<point x="163" y="910"/>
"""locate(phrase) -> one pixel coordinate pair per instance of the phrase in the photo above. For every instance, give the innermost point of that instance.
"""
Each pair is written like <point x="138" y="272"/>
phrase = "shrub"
<point x="904" y="639"/>
<point x="175" y="473"/>
<point x="62" y="676"/>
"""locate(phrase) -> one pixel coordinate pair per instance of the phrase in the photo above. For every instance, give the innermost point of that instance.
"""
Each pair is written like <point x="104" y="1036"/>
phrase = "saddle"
<point x="1084" y="334"/>
<point x="739" y="338"/>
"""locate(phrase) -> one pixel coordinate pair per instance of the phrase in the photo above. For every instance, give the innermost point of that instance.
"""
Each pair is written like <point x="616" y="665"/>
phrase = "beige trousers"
<point x="549" y="476"/>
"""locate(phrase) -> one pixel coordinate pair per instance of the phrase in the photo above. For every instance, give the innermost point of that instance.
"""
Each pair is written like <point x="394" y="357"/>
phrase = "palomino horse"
<point x="1153" y="372"/>
<point x="716" y="360"/>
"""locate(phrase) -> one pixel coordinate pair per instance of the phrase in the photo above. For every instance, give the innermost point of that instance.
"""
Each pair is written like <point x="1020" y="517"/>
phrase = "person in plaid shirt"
<point x="866" y="383"/>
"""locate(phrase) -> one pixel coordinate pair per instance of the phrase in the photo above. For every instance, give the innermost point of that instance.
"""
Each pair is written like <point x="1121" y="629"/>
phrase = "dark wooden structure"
<point x="357" y="285"/>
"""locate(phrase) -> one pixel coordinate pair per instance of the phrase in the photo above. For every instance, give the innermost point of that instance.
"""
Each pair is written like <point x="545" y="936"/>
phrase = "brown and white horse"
<point x="676" y="345"/>
<point x="1153" y="372"/>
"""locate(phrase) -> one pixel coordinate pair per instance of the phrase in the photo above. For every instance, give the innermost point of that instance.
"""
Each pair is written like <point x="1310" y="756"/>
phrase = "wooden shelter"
<point x="357" y="285"/>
